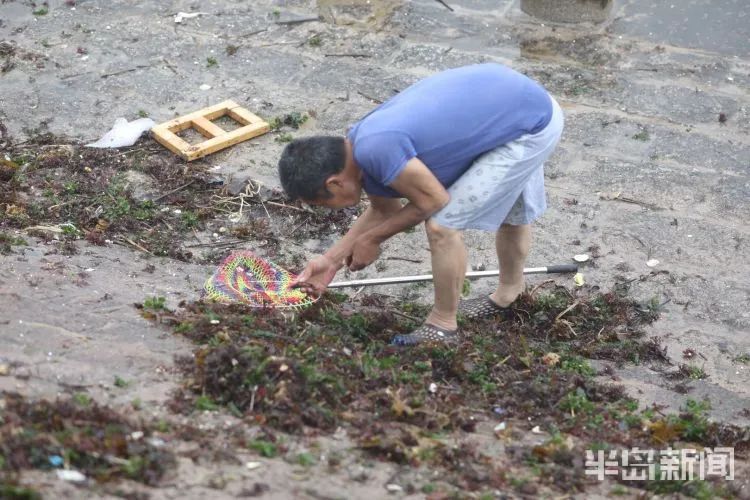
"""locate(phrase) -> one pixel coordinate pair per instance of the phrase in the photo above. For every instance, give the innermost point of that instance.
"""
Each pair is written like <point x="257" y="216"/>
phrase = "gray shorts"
<point x="504" y="185"/>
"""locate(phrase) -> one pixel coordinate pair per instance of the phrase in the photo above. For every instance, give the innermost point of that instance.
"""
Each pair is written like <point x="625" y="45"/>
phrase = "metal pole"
<point x="564" y="268"/>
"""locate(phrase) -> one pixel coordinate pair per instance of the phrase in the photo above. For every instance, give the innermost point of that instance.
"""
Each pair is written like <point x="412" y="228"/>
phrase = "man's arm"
<point x="379" y="211"/>
<point x="319" y="272"/>
<point x="425" y="194"/>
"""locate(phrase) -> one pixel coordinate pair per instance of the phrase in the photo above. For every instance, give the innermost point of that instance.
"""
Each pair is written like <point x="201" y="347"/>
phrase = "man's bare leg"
<point x="448" y="269"/>
<point x="512" y="244"/>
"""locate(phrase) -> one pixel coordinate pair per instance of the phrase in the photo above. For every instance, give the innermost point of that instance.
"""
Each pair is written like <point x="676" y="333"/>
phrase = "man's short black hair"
<point x="306" y="163"/>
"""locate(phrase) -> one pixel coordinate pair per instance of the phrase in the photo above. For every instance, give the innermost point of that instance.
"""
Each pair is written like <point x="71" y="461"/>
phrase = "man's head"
<point x="321" y="171"/>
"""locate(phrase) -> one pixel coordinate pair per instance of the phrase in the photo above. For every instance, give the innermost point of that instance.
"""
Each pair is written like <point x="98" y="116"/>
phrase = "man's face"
<point x="342" y="196"/>
<point x="344" y="189"/>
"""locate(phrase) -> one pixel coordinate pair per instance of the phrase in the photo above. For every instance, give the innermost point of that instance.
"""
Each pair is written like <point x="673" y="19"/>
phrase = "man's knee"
<point x="514" y="228"/>
<point x="440" y="235"/>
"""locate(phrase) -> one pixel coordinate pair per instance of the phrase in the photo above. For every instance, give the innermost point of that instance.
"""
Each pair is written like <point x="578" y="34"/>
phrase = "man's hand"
<point x="318" y="273"/>
<point x="364" y="252"/>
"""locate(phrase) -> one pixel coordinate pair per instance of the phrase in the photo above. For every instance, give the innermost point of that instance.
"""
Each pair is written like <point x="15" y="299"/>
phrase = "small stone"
<point x="214" y="321"/>
<point x="4" y="369"/>
<point x="253" y="465"/>
<point x="70" y="475"/>
<point x="205" y="86"/>
<point x="652" y="263"/>
<point x="393" y="488"/>
<point x="529" y="489"/>
<point x="237" y="186"/>
<point x="136" y="435"/>
<point x="432" y="388"/>
<point x="157" y="442"/>
<point x="536" y="430"/>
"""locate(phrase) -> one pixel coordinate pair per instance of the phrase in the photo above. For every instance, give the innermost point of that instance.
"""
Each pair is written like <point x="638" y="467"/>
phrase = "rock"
<point x="529" y="489"/>
<point x="393" y="488"/>
<point x="360" y="13"/>
<point x="568" y="11"/>
<point x="237" y="186"/>
<point x="142" y="186"/>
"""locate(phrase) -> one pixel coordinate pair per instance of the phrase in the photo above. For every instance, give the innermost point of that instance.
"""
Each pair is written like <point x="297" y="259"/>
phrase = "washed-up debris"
<point x="8" y="169"/>
<point x="180" y="16"/>
<point x="45" y="231"/>
<point x="90" y="441"/>
<point x="201" y="120"/>
<point x="382" y="401"/>
<point x="72" y="476"/>
<point x="617" y="196"/>
<point x="652" y="262"/>
<point x="393" y="488"/>
<point x="581" y="257"/>
<point x="205" y="86"/>
<point x="551" y="359"/>
<point x="253" y="465"/>
<point x="123" y="133"/>
<point x="578" y="279"/>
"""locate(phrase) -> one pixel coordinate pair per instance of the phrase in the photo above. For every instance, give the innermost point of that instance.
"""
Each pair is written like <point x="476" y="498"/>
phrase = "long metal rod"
<point x="564" y="268"/>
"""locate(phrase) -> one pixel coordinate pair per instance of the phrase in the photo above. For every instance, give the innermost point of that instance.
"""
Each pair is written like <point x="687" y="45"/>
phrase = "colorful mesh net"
<point x="246" y="278"/>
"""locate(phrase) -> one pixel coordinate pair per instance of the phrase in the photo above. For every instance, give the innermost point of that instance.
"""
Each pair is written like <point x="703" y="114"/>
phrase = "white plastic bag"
<point x="123" y="133"/>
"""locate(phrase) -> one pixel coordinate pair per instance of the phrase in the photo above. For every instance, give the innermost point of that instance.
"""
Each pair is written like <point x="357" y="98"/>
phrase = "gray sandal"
<point x="481" y="307"/>
<point x="426" y="334"/>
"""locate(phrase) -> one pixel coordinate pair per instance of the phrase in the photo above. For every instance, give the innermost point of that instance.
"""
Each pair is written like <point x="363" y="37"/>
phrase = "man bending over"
<point x="466" y="149"/>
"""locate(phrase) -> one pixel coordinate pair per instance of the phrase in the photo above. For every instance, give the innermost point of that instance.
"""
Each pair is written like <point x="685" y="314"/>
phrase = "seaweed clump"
<point x="331" y="366"/>
<point x="77" y="434"/>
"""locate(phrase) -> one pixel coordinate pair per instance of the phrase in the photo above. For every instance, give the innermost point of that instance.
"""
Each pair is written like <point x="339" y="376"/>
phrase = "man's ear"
<point x="334" y="183"/>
